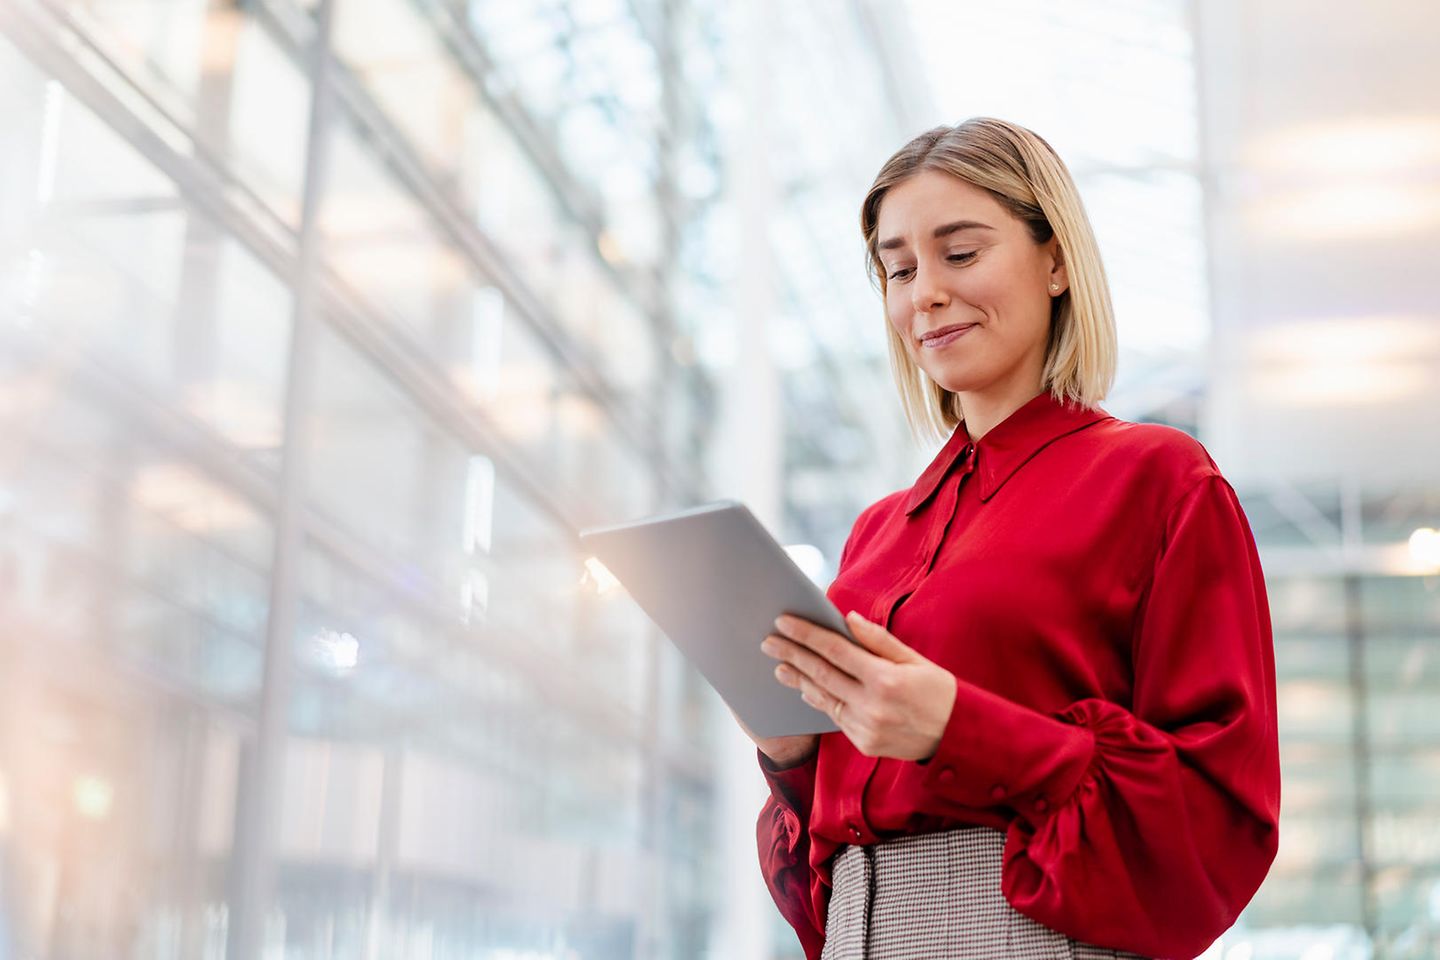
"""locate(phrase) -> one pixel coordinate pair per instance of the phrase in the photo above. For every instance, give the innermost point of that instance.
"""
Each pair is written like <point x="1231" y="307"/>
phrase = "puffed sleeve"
<point x="1146" y="829"/>
<point x="783" y="835"/>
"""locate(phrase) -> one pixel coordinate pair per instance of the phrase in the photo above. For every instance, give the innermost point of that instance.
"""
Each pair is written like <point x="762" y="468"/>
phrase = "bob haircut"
<point x="1025" y="175"/>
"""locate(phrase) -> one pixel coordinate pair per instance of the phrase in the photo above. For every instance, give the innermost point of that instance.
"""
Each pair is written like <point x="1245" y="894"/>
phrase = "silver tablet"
<point x="713" y="579"/>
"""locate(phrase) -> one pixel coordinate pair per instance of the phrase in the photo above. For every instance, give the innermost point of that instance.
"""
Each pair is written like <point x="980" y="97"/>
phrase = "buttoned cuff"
<point x="995" y="752"/>
<point x="792" y="786"/>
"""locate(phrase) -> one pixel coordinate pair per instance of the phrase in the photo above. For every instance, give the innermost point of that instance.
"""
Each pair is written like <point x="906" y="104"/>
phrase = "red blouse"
<point x="1094" y="586"/>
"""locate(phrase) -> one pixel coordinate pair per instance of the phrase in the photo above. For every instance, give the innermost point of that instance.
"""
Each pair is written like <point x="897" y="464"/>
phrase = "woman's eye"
<point x="903" y="272"/>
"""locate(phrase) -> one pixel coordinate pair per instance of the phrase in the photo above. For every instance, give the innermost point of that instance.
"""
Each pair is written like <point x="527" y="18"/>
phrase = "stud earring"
<point x="1054" y="286"/>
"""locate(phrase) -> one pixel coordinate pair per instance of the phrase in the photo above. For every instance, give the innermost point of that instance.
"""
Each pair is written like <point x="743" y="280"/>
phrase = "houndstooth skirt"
<point x="936" y="895"/>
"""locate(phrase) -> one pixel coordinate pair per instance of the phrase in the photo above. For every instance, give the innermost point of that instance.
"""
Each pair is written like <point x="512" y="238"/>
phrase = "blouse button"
<point x="1040" y="805"/>
<point x="997" y="792"/>
<point x="855" y="832"/>
<point x="947" y="775"/>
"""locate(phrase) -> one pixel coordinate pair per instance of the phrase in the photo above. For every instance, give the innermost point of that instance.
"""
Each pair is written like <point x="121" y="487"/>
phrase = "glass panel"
<point x="1405" y="780"/>
<point x="383" y="244"/>
<point x="222" y="78"/>
<point x="1404" y="718"/>
<point x="372" y="445"/>
<point x="1332" y="893"/>
<point x="401" y="61"/>
<point x="119" y="267"/>
<point x="1317" y="779"/>
<point x="1312" y="710"/>
<point x="1307" y="605"/>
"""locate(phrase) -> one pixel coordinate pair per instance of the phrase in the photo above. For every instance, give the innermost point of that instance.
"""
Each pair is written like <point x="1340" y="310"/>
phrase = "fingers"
<point x="809" y="691"/>
<point x="809" y="666"/>
<point x="814" y="696"/>
<point x="828" y="644"/>
<point x="878" y="640"/>
<point x="874" y="649"/>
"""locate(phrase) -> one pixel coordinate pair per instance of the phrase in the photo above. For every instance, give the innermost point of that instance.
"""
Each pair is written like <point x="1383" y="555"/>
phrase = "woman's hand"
<point x="897" y="703"/>
<point x="783" y="751"/>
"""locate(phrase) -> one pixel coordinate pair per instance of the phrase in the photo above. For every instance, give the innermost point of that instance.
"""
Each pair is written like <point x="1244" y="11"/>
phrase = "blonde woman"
<point x="1057" y="732"/>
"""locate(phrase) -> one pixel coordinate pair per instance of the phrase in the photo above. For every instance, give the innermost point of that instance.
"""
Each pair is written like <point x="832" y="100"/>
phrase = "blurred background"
<point x="324" y="324"/>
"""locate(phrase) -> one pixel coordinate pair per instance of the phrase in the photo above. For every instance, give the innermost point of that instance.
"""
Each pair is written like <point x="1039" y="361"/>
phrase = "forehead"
<point x="931" y="197"/>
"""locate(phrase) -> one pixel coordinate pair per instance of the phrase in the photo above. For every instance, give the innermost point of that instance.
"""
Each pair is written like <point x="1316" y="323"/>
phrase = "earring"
<point x="1054" y="286"/>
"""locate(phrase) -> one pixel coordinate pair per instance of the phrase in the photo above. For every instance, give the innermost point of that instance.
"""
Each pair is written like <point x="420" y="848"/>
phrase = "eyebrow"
<point x="942" y="231"/>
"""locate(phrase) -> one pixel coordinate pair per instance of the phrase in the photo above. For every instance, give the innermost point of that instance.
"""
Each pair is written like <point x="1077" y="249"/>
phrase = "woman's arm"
<point x="1146" y="829"/>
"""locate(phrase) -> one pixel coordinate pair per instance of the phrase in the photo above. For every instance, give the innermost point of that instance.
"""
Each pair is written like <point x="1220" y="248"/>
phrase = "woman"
<point x="1057" y="730"/>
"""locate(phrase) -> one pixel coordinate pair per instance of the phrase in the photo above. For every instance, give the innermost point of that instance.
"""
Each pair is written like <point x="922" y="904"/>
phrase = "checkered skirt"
<point x="936" y="895"/>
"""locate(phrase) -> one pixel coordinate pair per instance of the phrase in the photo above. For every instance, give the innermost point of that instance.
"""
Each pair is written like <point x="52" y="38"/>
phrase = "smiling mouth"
<point x="945" y="335"/>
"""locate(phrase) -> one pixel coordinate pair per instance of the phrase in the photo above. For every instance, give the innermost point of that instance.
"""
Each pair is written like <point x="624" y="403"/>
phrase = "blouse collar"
<point x="1007" y="447"/>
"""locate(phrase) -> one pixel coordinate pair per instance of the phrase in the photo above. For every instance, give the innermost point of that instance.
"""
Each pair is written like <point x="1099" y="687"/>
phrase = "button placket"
<point x="951" y="490"/>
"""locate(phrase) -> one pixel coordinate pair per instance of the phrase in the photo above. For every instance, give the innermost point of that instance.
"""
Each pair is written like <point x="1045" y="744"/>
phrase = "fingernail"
<point x="781" y="623"/>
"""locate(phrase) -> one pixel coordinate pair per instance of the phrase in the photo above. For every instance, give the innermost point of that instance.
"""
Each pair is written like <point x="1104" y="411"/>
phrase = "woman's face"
<point x="956" y="260"/>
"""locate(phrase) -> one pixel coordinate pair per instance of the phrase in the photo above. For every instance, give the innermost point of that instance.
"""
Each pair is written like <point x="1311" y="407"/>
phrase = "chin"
<point x="956" y="381"/>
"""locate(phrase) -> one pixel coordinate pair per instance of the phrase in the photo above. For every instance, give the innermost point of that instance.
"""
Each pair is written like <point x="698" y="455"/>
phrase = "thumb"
<point x="878" y="640"/>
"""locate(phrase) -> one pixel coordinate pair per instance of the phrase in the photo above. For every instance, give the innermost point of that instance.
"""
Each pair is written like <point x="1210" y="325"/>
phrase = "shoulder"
<point x="1153" y="453"/>
<point x="871" y="518"/>
<point x="876" y="513"/>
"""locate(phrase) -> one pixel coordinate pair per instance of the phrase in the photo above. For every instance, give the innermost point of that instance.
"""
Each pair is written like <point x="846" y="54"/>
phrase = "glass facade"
<point x="314" y="324"/>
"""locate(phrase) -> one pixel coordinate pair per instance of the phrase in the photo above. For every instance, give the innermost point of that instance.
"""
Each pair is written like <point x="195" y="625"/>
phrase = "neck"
<point x="985" y="408"/>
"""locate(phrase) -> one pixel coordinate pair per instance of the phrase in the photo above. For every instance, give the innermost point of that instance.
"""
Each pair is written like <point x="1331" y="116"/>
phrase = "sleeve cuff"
<point x="793" y="786"/>
<point x="996" y="752"/>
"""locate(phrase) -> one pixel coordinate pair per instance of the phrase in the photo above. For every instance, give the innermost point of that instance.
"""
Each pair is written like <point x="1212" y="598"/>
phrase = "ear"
<point x="1058" y="274"/>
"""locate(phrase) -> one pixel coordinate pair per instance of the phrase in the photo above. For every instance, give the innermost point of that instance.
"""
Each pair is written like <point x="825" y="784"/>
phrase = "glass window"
<point x="371" y="445"/>
<point x="402" y="62"/>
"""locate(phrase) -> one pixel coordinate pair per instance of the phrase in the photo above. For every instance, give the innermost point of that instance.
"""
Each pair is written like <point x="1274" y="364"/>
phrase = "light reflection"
<point x="335" y="651"/>
<point x="94" y="797"/>
<point x="596" y="574"/>
<point x="1425" y="548"/>
<point x="479" y="504"/>
<point x="189" y="500"/>
<point x="1359" y="145"/>
<point x="1340" y="211"/>
<point x="49" y="142"/>
<point x="238" y="410"/>
<point x="1345" y="360"/>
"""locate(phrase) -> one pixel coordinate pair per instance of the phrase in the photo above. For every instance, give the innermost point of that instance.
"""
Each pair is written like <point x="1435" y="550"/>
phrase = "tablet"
<point x="713" y="579"/>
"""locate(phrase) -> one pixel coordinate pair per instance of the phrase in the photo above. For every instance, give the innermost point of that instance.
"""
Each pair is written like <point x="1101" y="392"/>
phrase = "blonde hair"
<point x="1025" y="175"/>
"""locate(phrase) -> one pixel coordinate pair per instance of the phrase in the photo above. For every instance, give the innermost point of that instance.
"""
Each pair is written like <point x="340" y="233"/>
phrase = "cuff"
<point x="794" y="786"/>
<point x="995" y="752"/>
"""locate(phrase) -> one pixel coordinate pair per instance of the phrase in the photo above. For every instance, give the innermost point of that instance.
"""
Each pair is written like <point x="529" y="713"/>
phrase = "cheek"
<point x="991" y="284"/>
<point x="898" y="315"/>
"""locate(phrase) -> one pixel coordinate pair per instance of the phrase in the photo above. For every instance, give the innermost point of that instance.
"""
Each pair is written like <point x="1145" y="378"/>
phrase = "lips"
<point x="945" y="334"/>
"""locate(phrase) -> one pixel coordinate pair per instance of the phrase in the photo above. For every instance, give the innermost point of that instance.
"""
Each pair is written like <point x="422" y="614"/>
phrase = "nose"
<point x="926" y="293"/>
